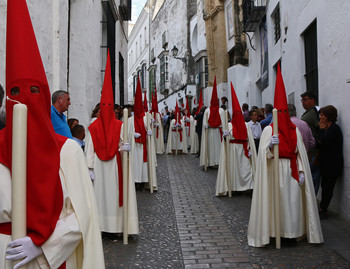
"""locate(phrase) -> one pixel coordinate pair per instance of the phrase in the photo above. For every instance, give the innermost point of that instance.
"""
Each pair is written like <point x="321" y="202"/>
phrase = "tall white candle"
<point x="276" y="182"/>
<point x="125" y="177"/>
<point x="19" y="171"/>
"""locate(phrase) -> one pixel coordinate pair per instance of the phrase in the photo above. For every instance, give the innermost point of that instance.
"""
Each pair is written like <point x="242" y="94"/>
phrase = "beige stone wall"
<point x="218" y="60"/>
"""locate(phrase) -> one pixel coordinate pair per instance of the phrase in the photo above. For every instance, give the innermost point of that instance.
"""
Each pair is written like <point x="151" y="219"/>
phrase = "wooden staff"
<point x="227" y="151"/>
<point x="276" y="182"/>
<point x="177" y="130"/>
<point x="149" y="153"/>
<point x="19" y="170"/>
<point x="206" y="143"/>
<point x="125" y="177"/>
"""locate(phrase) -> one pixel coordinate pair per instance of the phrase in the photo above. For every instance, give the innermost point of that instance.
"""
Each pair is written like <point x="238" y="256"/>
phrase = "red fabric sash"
<point x="242" y="142"/>
<point x="180" y="132"/>
<point x="293" y="165"/>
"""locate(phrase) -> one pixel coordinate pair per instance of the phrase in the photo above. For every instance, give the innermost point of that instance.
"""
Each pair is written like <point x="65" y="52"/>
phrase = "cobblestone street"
<point x="183" y="225"/>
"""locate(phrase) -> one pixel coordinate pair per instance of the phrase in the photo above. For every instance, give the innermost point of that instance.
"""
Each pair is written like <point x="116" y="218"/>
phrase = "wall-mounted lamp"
<point x="175" y="51"/>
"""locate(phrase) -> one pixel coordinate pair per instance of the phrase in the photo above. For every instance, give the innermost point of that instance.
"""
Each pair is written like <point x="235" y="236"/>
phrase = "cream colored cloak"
<point x="298" y="207"/>
<point x="174" y="138"/>
<point x="241" y="168"/>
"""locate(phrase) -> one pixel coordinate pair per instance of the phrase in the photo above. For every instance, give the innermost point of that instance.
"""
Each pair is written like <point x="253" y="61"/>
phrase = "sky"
<point x="137" y="6"/>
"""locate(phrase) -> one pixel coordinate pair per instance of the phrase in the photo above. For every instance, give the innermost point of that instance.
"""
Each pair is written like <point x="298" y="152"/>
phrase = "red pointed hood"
<point x="200" y="102"/>
<point x="177" y="114"/>
<point x="155" y="103"/>
<point x="139" y="124"/>
<point x="286" y="129"/>
<point x="105" y="131"/>
<point x="25" y="72"/>
<point x="239" y="130"/>
<point x="214" y="117"/>
<point x="188" y="108"/>
<point x="145" y="103"/>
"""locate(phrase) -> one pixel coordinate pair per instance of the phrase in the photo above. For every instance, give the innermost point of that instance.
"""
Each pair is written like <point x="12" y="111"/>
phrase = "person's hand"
<point x="274" y="141"/>
<point x="206" y="126"/>
<point x="137" y="135"/>
<point x="149" y="132"/>
<point x="92" y="174"/>
<point x="125" y="147"/>
<point x="301" y="178"/>
<point x="156" y="125"/>
<point x="22" y="248"/>
<point x="225" y="133"/>
<point x="178" y="125"/>
<point x="323" y="123"/>
<point x="153" y="120"/>
<point x="188" y="120"/>
<point x="249" y="153"/>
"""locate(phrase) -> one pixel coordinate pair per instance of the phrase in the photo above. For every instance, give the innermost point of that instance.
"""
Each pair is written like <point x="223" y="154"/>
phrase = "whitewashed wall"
<point x="333" y="39"/>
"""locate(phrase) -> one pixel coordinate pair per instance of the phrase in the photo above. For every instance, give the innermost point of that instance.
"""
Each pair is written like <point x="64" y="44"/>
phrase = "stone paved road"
<point x="184" y="225"/>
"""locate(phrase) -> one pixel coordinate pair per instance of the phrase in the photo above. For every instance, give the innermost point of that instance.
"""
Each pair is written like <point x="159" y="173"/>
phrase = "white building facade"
<point x="73" y="38"/>
<point x="310" y="40"/>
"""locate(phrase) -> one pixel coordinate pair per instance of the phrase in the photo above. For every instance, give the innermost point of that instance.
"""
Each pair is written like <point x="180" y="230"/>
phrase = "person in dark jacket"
<point x="331" y="161"/>
<point x="199" y="119"/>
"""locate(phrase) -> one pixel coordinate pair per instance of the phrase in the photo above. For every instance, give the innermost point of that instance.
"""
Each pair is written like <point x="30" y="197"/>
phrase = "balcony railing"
<point x="253" y="12"/>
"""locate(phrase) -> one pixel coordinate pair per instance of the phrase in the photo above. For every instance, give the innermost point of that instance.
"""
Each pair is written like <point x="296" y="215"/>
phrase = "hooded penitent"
<point x="188" y="115"/>
<point x="155" y="108"/>
<point x="26" y="83"/>
<point x="200" y="102"/>
<point x="214" y="117"/>
<point x="145" y="105"/>
<point x="178" y="119"/>
<point x="139" y="124"/>
<point x="105" y="131"/>
<point x="239" y="129"/>
<point x="286" y="129"/>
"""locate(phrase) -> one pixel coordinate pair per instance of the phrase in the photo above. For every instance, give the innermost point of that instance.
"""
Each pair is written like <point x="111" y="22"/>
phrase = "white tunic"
<point x="138" y="169"/>
<point x="174" y="138"/>
<point x="298" y="207"/>
<point x="211" y="143"/>
<point x="106" y="186"/>
<point x="240" y="168"/>
<point x="158" y="141"/>
<point x="77" y="237"/>
<point x="193" y="136"/>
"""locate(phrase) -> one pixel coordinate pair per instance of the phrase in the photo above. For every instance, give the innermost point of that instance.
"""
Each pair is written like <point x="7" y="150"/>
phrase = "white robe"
<point x="298" y="207"/>
<point x="77" y="237"/>
<point x="106" y="186"/>
<point x="193" y="136"/>
<point x="174" y="138"/>
<point x="138" y="169"/>
<point x="211" y="143"/>
<point x="241" y="168"/>
<point x="158" y="141"/>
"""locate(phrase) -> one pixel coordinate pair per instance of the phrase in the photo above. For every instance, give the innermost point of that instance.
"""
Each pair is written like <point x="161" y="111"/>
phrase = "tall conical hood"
<point x="105" y="131"/>
<point x="155" y="103"/>
<point x="286" y="129"/>
<point x="139" y="124"/>
<point x="138" y="106"/>
<point x="145" y="103"/>
<point x="177" y="114"/>
<point x="26" y="83"/>
<point x="200" y="102"/>
<point x="188" y="108"/>
<point x="239" y="130"/>
<point x="214" y="117"/>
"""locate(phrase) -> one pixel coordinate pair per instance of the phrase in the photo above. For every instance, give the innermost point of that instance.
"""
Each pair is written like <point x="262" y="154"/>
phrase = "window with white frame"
<point x="143" y="76"/>
<point x="202" y="73"/>
<point x="164" y="75"/>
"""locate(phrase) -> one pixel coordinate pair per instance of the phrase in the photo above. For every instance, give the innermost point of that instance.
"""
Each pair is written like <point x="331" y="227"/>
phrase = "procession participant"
<point x="137" y="137"/>
<point x="298" y="207"/>
<point x="62" y="221"/>
<point x="158" y="125"/>
<point x="194" y="135"/>
<point x="187" y="120"/>
<point x="211" y="139"/>
<point x="105" y="165"/>
<point x="242" y="154"/>
<point x="177" y="139"/>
